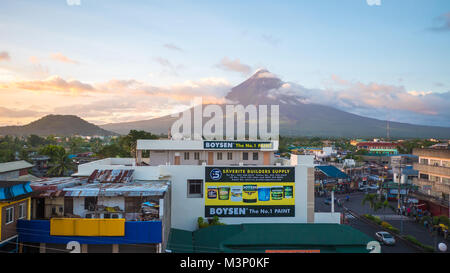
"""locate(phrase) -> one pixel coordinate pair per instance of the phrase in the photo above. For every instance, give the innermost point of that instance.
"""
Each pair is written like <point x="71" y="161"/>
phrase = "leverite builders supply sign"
<point x="250" y="191"/>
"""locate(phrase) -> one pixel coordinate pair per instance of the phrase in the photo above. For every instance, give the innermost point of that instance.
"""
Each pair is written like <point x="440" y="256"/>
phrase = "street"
<point x="409" y="226"/>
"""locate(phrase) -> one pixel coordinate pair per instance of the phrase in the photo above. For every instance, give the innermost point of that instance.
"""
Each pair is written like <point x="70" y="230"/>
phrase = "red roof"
<point x="377" y="144"/>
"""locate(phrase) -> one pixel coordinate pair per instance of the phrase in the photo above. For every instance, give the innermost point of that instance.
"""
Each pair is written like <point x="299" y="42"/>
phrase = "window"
<point x="195" y="188"/>
<point x="434" y="162"/>
<point x="186" y="155"/>
<point x="196" y="155"/>
<point x="21" y="211"/>
<point x="9" y="215"/>
<point x="230" y="156"/>
<point x="424" y="161"/>
<point x="107" y="216"/>
<point x="245" y="156"/>
<point x="219" y="156"/>
<point x="255" y="156"/>
<point x="423" y="176"/>
<point x="89" y="203"/>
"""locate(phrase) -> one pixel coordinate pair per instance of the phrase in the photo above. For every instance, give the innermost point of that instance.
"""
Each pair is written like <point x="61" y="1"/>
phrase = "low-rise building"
<point x="433" y="179"/>
<point x="84" y="210"/>
<point x="14" y="205"/>
<point x="16" y="171"/>
<point x="375" y="147"/>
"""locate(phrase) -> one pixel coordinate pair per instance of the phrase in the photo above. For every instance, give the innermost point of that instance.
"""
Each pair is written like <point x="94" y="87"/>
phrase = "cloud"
<point x="115" y="100"/>
<point x="442" y="23"/>
<point x="61" y="58"/>
<point x="235" y="66"/>
<point x="270" y="39"/>
<point x="51" y="84"/>
<point x="17" y="113"/>
<point x="173" y="47"/>
<point x="170" y="68"/>
<point x="73" y="2"/>
<point x="4" y="56"/>
<point x="34" y="60"/>
<point x="373" y="2"/>
<point x="375" y="100"/>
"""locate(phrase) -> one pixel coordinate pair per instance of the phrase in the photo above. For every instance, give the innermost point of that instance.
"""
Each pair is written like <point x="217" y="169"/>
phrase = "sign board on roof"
<point x="250" y="191"/>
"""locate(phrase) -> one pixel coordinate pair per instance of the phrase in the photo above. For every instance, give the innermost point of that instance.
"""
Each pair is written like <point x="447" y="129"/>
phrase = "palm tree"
<point x="61" y="164"/>
<point x="371" y="198"/>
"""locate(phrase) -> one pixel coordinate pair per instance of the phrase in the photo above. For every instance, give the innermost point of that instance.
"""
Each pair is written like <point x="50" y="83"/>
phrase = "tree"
<point x="371" y="198"/>
<point x="129" y="141"/>
<point x="52" y="151"/>
<point x="36" y="141"/>
<point x="61" y="164"/>
<point x="75" y="145"/>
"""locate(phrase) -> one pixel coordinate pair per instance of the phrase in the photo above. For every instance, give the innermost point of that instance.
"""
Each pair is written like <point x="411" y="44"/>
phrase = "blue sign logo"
<point x="215" y="174"/>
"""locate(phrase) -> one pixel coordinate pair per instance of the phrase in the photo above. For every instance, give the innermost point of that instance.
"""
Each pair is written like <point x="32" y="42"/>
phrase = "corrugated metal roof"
<point x="137" y="188"/>
<point x="111" y="176"/>
<point x="332" y="171"/>
<point x="14" y="166"/>
<point x="53" y="184"/>
<point x="27" y="177"/>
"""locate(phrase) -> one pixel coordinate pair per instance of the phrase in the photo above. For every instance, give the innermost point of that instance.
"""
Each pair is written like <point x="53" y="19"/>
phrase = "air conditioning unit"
<point x="112" y="216"/>
<point x="58" y="210"/>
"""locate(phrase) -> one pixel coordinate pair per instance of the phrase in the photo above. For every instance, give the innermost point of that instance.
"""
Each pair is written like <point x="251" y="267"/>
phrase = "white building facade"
<point x="247" y="187"/>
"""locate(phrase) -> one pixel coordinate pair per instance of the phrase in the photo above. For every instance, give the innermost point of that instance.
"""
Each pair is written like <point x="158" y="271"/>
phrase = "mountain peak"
<point x="64" y="125"/>
<point x="254" y="90"/>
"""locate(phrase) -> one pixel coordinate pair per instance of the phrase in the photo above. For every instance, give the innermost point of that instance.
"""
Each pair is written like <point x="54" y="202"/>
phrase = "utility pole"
<point x="398" y="198"/>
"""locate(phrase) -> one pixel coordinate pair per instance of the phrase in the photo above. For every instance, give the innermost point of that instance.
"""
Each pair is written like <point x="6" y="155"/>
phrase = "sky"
<point x="116" y="61"/>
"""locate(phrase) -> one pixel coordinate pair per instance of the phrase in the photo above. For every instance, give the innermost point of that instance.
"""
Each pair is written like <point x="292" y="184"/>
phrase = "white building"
<point x="239" y="181"/>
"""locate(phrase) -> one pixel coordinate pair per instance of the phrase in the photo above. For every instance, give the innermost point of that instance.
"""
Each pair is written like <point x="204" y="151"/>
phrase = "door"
<point x="210" y="158"/>
<point x="68" y="205"/>
<point x="177" y="160"/>
<point x="266" y="158"/>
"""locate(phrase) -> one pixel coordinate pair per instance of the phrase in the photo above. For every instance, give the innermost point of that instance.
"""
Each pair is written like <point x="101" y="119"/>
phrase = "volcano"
<point x="298" y="117"/>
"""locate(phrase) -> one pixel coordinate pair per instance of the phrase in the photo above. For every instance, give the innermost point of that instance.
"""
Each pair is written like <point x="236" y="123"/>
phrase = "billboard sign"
<point x="250" y="191"/>
<point x="237" y="145"/>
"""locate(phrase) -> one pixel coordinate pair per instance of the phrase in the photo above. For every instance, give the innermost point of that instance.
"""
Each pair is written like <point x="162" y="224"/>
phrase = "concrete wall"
<point x="168" y="157"/>
<point x="9" y="175"/>
<point x="185" y="211"/>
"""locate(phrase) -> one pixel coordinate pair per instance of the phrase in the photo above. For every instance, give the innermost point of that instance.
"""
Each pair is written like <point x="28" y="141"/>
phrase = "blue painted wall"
<point x="38" y="231"/>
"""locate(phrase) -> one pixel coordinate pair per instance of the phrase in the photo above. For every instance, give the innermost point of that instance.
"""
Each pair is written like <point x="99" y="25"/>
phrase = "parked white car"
<point x="385" y="238"/>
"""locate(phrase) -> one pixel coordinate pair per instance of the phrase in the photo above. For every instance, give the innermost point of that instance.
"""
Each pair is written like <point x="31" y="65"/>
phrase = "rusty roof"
<point x="137" y="188"/>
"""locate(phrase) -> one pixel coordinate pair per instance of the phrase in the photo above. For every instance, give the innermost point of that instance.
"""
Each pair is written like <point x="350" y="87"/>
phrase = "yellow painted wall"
<point x="4" y="204"/>
<point x="87" y="227"/>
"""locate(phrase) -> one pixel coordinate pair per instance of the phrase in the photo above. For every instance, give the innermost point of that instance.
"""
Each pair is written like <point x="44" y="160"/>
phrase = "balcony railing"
<point x="430" y="169"/>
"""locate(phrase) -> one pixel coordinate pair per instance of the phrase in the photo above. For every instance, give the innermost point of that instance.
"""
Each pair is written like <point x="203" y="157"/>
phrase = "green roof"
<point x="393" y="185"/>
<point x="180" y="240"/>
<point x="261" y="237"/>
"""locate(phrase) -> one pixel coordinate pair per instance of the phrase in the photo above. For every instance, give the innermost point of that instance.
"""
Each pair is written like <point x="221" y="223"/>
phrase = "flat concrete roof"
<point x="186" y="145"/>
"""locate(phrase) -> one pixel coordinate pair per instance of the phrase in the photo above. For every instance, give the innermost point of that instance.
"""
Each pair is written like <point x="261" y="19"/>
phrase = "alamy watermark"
<point x="241" y="122"/>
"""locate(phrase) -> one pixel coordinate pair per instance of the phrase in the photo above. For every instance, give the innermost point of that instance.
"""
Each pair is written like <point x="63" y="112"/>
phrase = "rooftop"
<point x="14" y="166"/>
<point x="331" y="171"/>
<point x="14" y="190"/>
<point x="182" y="145"/>
<point x="263" y="237"/>
<point x="136" y="188"/>
<point x="57" y="183"/>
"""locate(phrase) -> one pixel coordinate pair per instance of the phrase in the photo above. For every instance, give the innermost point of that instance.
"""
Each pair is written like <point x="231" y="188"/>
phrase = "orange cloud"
<point x="53" y="84"/>
<point x="61" y="58"/>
